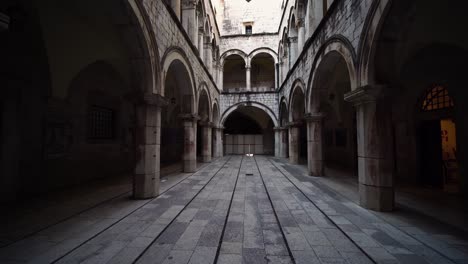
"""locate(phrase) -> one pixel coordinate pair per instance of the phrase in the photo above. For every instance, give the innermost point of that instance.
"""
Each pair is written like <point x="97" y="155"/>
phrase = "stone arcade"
<point x="352" y="108"/>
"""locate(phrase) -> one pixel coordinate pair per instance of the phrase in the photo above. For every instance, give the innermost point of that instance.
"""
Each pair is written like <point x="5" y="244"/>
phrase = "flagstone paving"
<point x="238" y="210"/>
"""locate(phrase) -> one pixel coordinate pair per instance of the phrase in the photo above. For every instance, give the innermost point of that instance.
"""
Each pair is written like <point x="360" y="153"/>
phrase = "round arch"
<point x="215" y="111"/>
<point x="151" y="51"/>
<point x="260" y="106"/>
<point x="176" y="55"/>
<point x="203" y="90"/>
<point x="283" y="112"/>
<point x="232" y="52"/>
<point x="298" y="86"/>
<point x="262" y="50"/>
<point x="369" y="36"/>
<point x="337" y="45"/>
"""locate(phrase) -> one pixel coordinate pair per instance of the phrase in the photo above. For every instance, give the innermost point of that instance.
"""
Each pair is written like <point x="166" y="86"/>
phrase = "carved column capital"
<point x="4" y="22"/>
<point x="365" y="94"/>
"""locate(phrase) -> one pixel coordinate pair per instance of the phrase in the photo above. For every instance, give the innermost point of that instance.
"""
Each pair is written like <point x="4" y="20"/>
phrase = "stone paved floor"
<point x="239" y="210"/>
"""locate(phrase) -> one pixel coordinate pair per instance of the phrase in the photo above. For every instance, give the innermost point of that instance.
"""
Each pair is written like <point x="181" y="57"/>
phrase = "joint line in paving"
<point x="276" y="215"/>
<point x="218" y="250"/>
<point x="321" y="211"/>
<point x="174" y="219"/>
<point x="126" y="215"/>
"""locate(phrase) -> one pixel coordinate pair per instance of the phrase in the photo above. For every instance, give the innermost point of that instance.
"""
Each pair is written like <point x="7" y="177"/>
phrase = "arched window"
<point x="436" y="98"/>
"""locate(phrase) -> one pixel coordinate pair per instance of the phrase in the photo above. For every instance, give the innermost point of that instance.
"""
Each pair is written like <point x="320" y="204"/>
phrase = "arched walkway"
<point x="249" y="129"/>
<point x="178" y="121"/>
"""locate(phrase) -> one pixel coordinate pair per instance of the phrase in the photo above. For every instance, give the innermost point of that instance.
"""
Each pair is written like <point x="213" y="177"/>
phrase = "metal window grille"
<point x="437" y="98"/>
<point x="101" y="123"/>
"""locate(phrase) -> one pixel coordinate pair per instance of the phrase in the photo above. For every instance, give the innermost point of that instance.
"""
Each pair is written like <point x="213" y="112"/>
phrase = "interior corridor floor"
<point x="238" y="210"/>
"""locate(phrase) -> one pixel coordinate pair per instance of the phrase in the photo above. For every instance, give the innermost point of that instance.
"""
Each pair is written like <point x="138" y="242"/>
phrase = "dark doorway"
<point x="431" y="154"/>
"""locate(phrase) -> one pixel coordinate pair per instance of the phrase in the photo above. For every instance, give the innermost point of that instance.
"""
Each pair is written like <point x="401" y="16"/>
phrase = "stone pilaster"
<point x="190" y="142"/>
<point x="315" y="161"/>
<point x="175" y="5"/>
<point x="148" y="143"/>
<point x="294" y="142"/>
<point x="189" y="21"/>
<point x="206" y="141"/>
<point x="218" y="141"/>
<point x="300" y="35"/>
<point x="375" y="148"/>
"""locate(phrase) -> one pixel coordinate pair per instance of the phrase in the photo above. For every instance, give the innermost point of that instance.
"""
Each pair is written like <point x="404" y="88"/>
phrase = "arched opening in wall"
<point x="292" y="41"/>
<point x="204" y="128"/>
<point x="234" y="76"/>
<point x="284" y="135"/>
<point x="423" y="78"/>
<point x="249" y="129"/>
<point x="263" y="72"/>
<point x="216" y="139"/>
<point x="65" y="112"/>
<point x="297" y="128"/>
<point x="339" y="138"/>
<point x="178" y="92"/>
<point x="304" y="13"/>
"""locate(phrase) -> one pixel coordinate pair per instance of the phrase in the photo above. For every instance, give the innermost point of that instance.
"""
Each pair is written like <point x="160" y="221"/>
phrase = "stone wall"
<point x="343" y="24"/>
<point x="169" y="35"/>
<point x="267" y="100"/>
<point x="264" y="15"/>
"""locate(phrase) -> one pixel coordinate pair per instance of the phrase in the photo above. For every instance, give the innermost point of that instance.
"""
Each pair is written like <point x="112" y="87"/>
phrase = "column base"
<point x="190" y="166"/>
<point x="293" y="160"/>
<point x="316" y="168"/>
<point x="206" y="159"/>
<point x="377" y="198"/>
<point x="146" y="186"/>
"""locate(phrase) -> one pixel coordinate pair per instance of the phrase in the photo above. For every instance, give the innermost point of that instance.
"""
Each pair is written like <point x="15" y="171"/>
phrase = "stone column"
<point x="220" y="78"/>
<point x="148" y="143"/>
<point x="294" y="142"/>
<point x="283" y="142"/>
<point x="301" y="35"/>
<point x="277" y="141"/>
<point x="292" y="51"/>
<point x="175" y="5"/>
<point x="206" y="141"/>
<point x="190" y="143"/>
<point x="189" y="21"/>
<point x="314" y="144"/>
<point x="209" y="57"/>
<point x="218" y="141"/>
<point x="247" y="77"/>
<point x="375" y="147"/>
<point x="201" y="47"/>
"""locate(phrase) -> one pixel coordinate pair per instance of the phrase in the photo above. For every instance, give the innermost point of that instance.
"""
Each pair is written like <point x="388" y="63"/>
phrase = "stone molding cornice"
<point x="206" y="124"/>
<point x="294" y="124"/>
<point x="314" y="117"/>
<point x="280" y="128"/>
<point x="4" y="22"/>
<point x="365" y="94"/>
<point x="189" y="117"/>
<point x="152" y="99"/>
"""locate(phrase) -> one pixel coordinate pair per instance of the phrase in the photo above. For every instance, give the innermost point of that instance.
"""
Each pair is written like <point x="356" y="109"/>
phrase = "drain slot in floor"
<point x="249" y="174"/>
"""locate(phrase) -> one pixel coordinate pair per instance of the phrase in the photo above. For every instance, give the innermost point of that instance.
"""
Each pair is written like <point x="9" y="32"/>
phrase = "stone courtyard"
<point x="235" y="210"/>
<point x="233" y="131"/>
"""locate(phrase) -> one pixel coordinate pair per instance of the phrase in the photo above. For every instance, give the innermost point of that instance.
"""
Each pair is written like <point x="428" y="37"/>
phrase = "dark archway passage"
<point x="67" y="119"/>
<point x="263" y="72"/>
<point x="249" y="130"/>
<point x="178" y="92"/>
<point x="339" y="122"/>
<point x="234" y="74"/>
